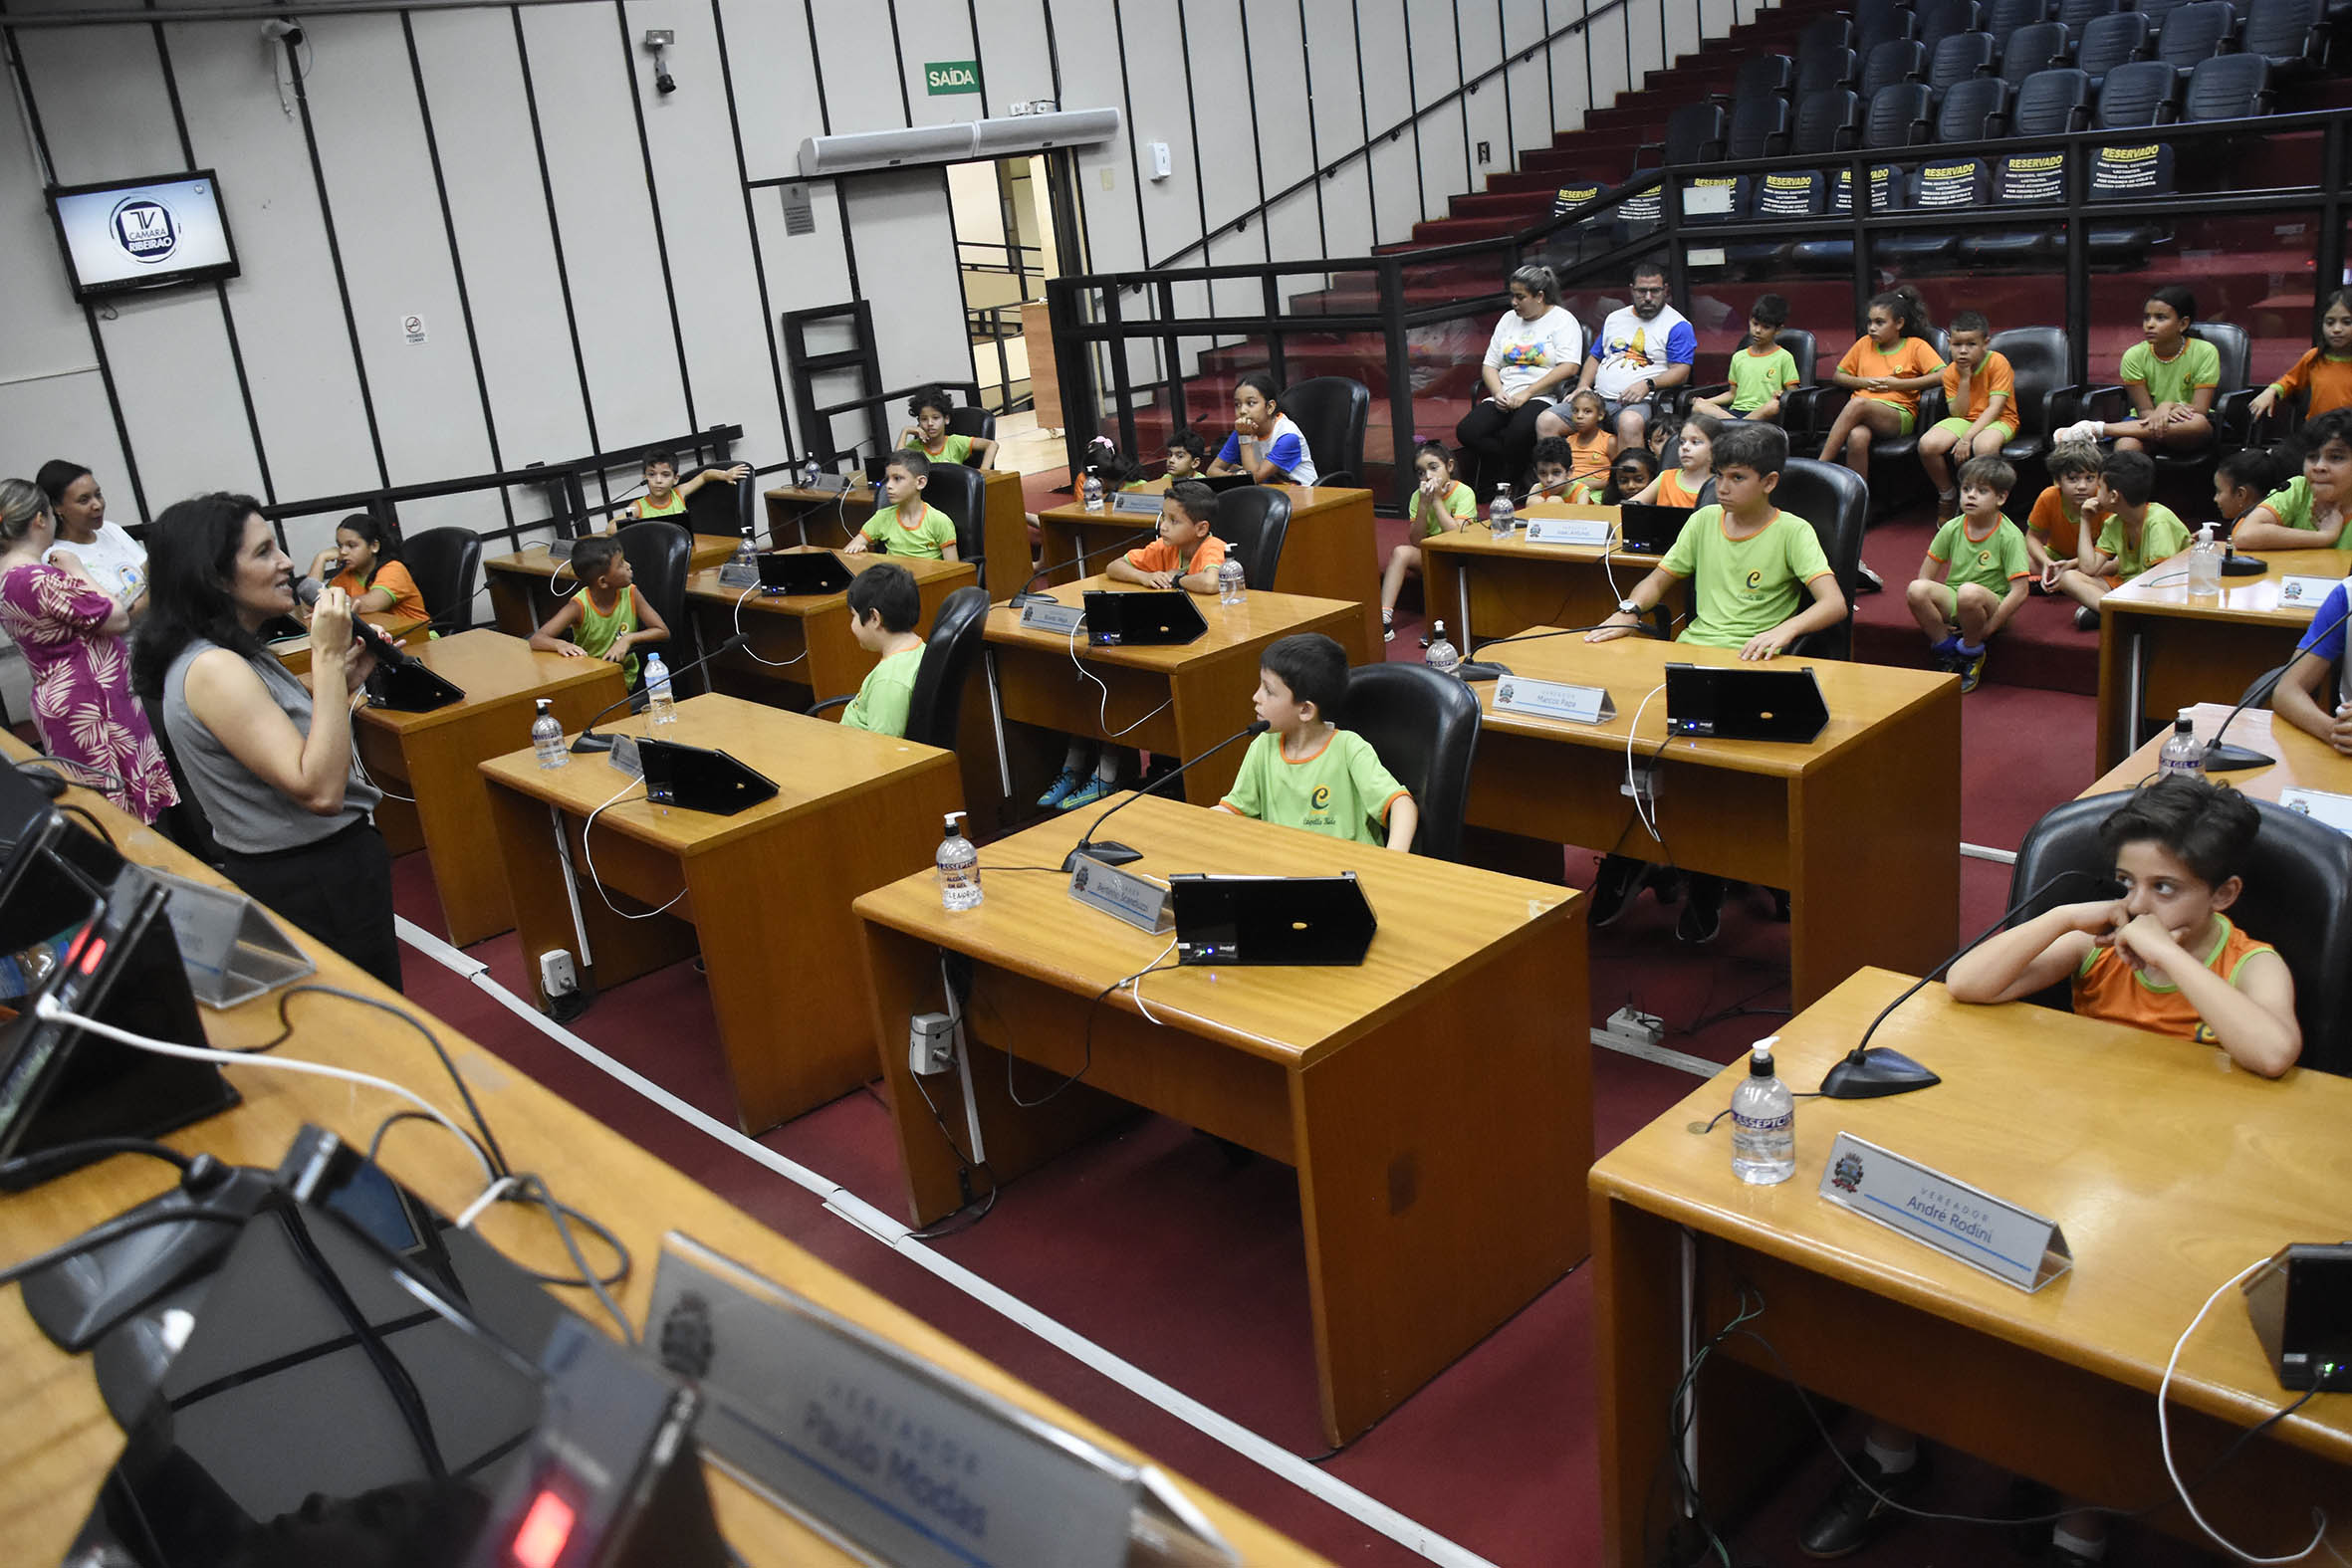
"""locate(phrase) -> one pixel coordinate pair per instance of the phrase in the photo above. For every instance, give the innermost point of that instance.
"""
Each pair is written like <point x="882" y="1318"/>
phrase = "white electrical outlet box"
<point x="1161" y="166"/>
<point x="1641" y="782"/>
<point x="558" y="977"/>
<point x="1636" y="1028"/>
<point x="930" y="1043"/>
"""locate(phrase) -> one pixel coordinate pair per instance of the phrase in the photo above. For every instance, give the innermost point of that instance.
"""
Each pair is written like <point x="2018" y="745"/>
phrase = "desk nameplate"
<point x="2320" y="806"/>
<point x="1060" y="619"/>
<point x="1570" y="531"/>
<point x="2294" y="590"/>
<point x="1137" y="900"/>
<point x="1139" y="503"/>
<point x="740" y="574"/>
<point x="623" y="756"/>
<point x="1554" y="700"/>
<point x="913" y="1465"/>
<point x="1965" y="1224"/>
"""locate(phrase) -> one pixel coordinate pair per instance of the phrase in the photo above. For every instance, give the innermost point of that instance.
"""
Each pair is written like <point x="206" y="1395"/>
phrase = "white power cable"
<point x="51" y="1008"/>
<point x="1632" y="788"/>
<point x="1104" y="713"/>
<point x="490" y="1194"/>
<point x="2164" y="1441"/>
<point x="589" y="849"/>
<point x="1135" y="982"/>
<point x="742" y="637"/>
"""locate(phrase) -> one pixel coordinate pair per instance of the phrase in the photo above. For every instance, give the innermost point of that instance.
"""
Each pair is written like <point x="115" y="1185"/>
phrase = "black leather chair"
<point x="2037" y="46"/>
<point x="2111" y="41"/>
<point x="1961" y="58"/>
<point x="2194" y="34"/>
<point x="2231" y="395"/>
<point x="1759" y="126"/>
<point x="1975" y="109"/>
<point x="719" y="506"/>
<point x="1811" y="410"/>
<point x="1826" y="121"/>
<point x="2077" y="14"/>
<point x="1895" y="61"/>
<point x="2299" y="898"/>
<point x="1254" y="520"/>
<point x="2227" y="87"/>
<point x="2004" y="17"/>
<point x="962" y="493"/>
<point x="1331" y="412"/>
<point x="1826" y="68"/>
<point x="1942" y="19"/>
<point x="967" y="421"/>
<point x="951" y="650"/>
<point x="2289" y="35"/>
<point x="2137" y="92"/>
<point x="2038" y="359"/>
<point x="1899" y="115"/>
<point x="1801" y="347"/>
<point x="1764" y="75"/>
<point x="660" y="555"/>
<point x="2160" y="12"/>
<point x="445" y="563"/>
<point x="1834" y="500"/>
<point x="1424" y="726"/>
<point x="1694" y="134"/>
<point x="185" y="824"/>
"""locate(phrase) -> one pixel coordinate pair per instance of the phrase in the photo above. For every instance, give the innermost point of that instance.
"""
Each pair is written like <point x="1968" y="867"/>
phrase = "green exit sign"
<point x="943" y="77"/>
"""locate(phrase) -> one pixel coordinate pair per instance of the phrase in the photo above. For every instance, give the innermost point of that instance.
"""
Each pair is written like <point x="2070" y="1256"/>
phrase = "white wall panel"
<point x="104" y="107"/>
<point x="1017" y="64"/>
<point x="906" y="263"/>
<point x="1162" y="112"/>
<point x="853" y="51"/>
<point x="1605" y="45"/>
<point x="1278" y="72"/>
<point x="46" y="332"/>
<point x="937" y="30"/>
<point x="1230" y="138"/>
<point x="775" y="77"/>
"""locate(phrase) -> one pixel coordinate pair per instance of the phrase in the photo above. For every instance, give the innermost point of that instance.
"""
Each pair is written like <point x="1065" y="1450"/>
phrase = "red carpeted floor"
<point x="1156" y="1244"/>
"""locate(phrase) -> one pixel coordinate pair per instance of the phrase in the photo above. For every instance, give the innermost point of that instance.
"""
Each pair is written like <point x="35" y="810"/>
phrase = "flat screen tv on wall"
<point x="125" y="235"/>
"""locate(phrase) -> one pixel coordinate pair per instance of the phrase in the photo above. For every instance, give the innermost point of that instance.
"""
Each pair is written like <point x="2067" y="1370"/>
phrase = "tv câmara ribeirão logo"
<point x="145" y="228"/>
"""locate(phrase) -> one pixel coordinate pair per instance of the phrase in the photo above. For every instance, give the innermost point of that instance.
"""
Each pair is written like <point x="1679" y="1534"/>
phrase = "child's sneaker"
<point x="1947" y="650"/>
<point x="1971" y="668"/>
<point x="1389" y="626"/>
<point x="1867" y="580"/>
<point x="1094" y="789"/>
<point x="1946" y="505"/>
<point x="2086" y="618"/>
<point x="1064" y="783"/>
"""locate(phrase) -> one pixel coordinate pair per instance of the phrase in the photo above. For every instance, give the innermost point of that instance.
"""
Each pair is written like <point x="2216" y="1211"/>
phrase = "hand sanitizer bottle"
<point x="958" y="867"/>
<point x="2205" y="565"/>
<point x="661" y="703"/>
<point x="1442" y="656"/>
<point x="1764" y="1122"/>
<point x="1502" y="517"/>
<point x="547" y="738"/>
<point x="2182" y="753"/>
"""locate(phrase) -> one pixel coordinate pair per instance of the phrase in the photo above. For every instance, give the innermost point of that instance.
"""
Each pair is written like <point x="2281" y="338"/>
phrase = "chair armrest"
<point x="830" y="704"/>
<point x="2233" y="413"/>
<point x="1342" y="476"/>
<point x="1803" y="409"/>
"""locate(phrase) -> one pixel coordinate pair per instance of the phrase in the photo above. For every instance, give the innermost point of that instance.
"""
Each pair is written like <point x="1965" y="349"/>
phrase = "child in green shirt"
<point x="2137" y="534"/>
<point x="2309" y="513"/>
<point x="1307" y="771"/>
<point x="908" y="525"/>
<point x="1976" y="573"/>
<point x="2171" y="378"/>
<point x="1759" y="373"/>
<point x="664" y="497"/>
<point x="1440" y="505"/>
<point x="607" y="617"/>
<point x="884" y="606"/>
<point x="930" y="436"/>
<point x="1187" y="456"/>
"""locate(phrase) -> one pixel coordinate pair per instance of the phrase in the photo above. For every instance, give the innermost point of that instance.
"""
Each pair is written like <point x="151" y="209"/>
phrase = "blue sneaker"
<point x="1094" y="789"/>
<point x="1064" y="783"/>
<point x="1947" y="648"/>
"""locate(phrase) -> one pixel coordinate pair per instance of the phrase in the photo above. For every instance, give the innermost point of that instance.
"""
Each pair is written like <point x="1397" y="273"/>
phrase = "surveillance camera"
<point x="281" y="30"/>
<point x="664" y="82"/>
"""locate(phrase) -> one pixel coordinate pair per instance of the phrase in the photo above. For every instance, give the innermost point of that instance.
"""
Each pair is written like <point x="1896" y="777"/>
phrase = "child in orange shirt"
<point x="2326" y="371"/>
<point x="1979" y="394"/>
<point x="1591" y="445"/>
<point x="1885" y="371"/>
<point x="1682" y="487"/>
<point x="2053" y="528"/>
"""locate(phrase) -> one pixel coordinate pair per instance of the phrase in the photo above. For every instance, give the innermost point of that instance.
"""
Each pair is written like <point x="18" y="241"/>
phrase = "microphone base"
<point x="1875" y="1074"/>
<point x="2221" y="759"/>
<point x="589" y="742"/>
<point x="1473" y="670"/>
<point x="2237" y="566"/>
<point x="1107" y="852"/>
<point x="1025" y="600"/>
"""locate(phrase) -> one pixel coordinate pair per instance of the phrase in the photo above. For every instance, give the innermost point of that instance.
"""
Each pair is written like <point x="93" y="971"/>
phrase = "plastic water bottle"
<point x="547" y="738"/>
<point x="746" y="554"/>
<point x="2205" y="565"/>
<point x="958" y="867"/>
<point x="809" y="474"/>
<point x="1502" y="517"/>
<point x="2182" y="753"/>
<point x="1442" y="656"/>
<point x="1093" y="489"/>
<point x="1233" y="586"/>
<point x="660" y="707"/>
<point x="1764" y="1122"/>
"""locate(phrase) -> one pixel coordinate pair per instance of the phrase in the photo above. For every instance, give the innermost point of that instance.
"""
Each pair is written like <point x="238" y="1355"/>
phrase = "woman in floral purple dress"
<point x="71" y="633"/>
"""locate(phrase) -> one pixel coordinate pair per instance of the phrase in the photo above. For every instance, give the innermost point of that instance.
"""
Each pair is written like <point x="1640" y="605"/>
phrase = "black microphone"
<point x="1024" y="599"/>
<point x="389" y="655"/>
<point x="1869" y="1074"/>
<point x="590" y="741"/>
<point x="2225" y="758"/>
<point x="2234" y="564"/>
<point x="1118" y="854"/>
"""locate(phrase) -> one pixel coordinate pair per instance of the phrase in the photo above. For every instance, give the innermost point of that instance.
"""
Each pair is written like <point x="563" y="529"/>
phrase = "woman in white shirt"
<point x="102" y="551"/>
<point x="1536" y="351"/>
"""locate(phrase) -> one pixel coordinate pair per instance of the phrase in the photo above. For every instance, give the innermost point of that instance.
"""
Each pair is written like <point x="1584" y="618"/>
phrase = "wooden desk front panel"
<point x="806" y="644"/>
<point x="524" y="586"/>
<point x="1540" y="587"/>
<point x="810" y="516"/>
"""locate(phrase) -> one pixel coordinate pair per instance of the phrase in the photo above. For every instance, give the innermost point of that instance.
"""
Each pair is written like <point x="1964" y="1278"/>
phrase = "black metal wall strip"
<point x="343" y="287"/>
<point x="661" y="244"/>
<point x="1118" y="25"/>
<point x="1076" y="254"/>
<point x="980" y="58"/>
<point x="1192" y="118"/>
<point x="751" y="229"/>
<point x="824" y="115"/>
<point x="1314" y="149"/>
<point x="1462" y="75"/>
<point x="1405" y="18"/>
<point x="465" y="303"/>
<point x="1256" y="136"/>
<point x="1510" y="126"/>
<point x="555" y="231"/>
<point x="1363" y="103"/>
<point x="906" y="103"/>
<point x="106" y="377"/>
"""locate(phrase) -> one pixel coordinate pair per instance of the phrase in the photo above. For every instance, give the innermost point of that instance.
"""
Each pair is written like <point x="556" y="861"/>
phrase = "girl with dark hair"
<point x="272" y="770"/>
<point x="70" y="632"/>
<point x="364" y="561"/>
<point x="107" y="555"/>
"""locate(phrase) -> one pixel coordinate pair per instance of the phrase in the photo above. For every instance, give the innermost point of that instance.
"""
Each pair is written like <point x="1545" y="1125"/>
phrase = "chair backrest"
<point x="1763" y="75"/>
<point x="445" y="562"/>
<point x="962" y="493"/>
<point x="967" y="421"/>
<point x="185" y="823"/>
<point x="1254" y="520"/>
<point x="1960" y="58"/>
<point x="1970" y="108"/>
<point x="660" y="555"/>
<point x="934" y="708"/>
<point x="1801" y="347"/>
<point x="1332" y="413"/>
<point x="1939" y="19"/>
<point x="1826" y="70"/>
<point x="2135" y="93"/>
<point x="2109" y="41"/>
<point x="1694" y="134"/>
<point x="1836" y="501"/>
<point x="1822" y="118"/>
<point x="1424" y="726"/>
<point x="2037" y="46"/>
<point x="1828" y="32"/>
<point x="2038" y="359"/>
<point x="1896" y="60"/>
<point x="2232" y="346"/>
<point x="718" y="506"/>
<point x="2004" y="17"/>
<point x="2227" y="87"/>
<point x="1873" y="31"/>
<point x="2279" y="30"/>
<point x="1899" y="115"/>
<point x="2049" y="101"/>
<point x="2299" y="898"/>
<point x="1757" y="123"/>
<point x="2160" y="12"/>
<point x="2076" y="14"/>
<point x="2194" y="32"/>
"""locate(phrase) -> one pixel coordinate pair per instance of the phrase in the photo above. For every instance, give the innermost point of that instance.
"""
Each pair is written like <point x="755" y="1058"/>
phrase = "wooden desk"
<point x="1483" y="586"/>
<point x="1173" y="701"/>
<point x="827" y="519"/>
<point x="1878" y="788"/>
<point x="2169" y="1170"/>
<point x="803" y="643"/>
<point x="406" y="630"/>
<point x="2304" y="762"/>
<point x="2159" y="651"/>
<point x="435" y="759"/>
<point x="57" y="1447"/>
<point x="524" y="586"/>
<point x="1331" y="550"/>
<point x="1436" y="1101"/>
<point x="764" y="893"/>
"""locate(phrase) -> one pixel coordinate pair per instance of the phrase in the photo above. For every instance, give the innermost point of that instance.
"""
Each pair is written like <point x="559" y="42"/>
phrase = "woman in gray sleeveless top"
<point x="271" y="769"/>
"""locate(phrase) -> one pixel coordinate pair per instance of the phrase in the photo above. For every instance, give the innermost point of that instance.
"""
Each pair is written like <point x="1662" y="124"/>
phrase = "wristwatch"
<point x="1628" y="607"/>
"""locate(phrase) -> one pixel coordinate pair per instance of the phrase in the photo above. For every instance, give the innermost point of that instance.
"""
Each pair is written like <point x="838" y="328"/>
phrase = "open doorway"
<point x="1015" y="229"/>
